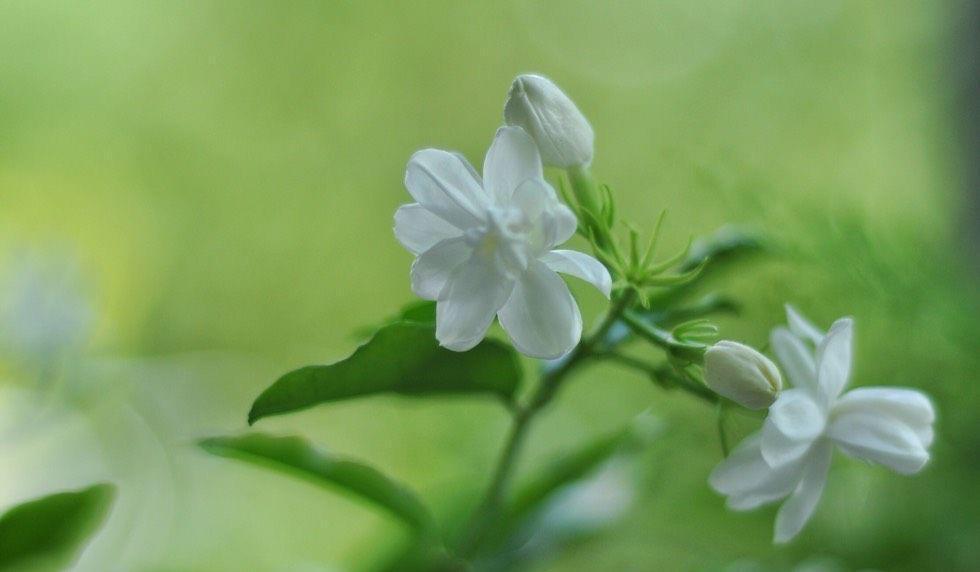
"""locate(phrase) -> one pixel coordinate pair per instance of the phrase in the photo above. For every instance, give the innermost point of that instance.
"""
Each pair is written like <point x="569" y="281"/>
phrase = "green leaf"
<point x="422" y="311"/>
<point x="574" y="467"/>
<point x="295" y="456"/>
<point x="49" y="532"/>
<point x="402" y="358"/>
<point x="726" y="246"/>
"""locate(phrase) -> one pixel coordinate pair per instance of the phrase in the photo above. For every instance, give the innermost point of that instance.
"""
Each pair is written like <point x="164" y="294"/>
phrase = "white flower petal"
<point x="444" y="184"/>
<point x="906" y="405"/>
<point x="779" y="449"/>
<point x="432" y="269"/>
<point x="798" y="415"/>
<point x="749" y="481"/>
<point x="512" y="159"/>
<point x="469" y="167"/>
<point x="834" y="358"/>
<point x="468" y="303"/>
<point x="559" y="225"/>
<point x="795" y="358"/>
<point x="801" y="327"/>
<point x="552" y="222"/>
<point x="879" y="439"/>
<point x="580" y="265"/>
<point x="753" y="499"/>
<point x="741" y="468"/>
<point x="419" y="230"/>
<point x="799" y="507"/>
<point x="541" y="316"/>
<point x="534" y="197"/>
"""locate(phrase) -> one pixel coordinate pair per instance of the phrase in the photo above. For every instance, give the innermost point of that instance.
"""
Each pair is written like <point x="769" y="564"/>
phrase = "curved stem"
<point x="666" y="377"/>
<point x="722" y="434"/>
<point x="587" y="196"/>
<point x="550" y="382"/>
<point x="686" y="350"/>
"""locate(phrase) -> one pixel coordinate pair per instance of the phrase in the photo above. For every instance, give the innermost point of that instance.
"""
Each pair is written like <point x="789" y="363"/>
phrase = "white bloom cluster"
<point x="789" y="458"/>
<point x="485" y="246"/>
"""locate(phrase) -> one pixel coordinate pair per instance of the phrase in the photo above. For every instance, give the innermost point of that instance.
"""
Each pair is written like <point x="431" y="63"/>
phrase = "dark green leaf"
<point x="402" y="358"/>
<point x="422" y="311"/>
<point x="49" y="532"/>
<point x="297" y="457"/>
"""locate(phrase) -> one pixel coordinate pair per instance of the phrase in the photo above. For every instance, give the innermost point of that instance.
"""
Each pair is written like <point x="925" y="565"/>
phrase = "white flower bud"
<point x="742" y="374"/>
<point x="563" y="135"/>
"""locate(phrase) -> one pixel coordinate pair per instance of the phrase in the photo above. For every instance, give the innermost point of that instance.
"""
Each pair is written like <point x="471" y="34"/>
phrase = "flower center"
<point x="504" y="237"/>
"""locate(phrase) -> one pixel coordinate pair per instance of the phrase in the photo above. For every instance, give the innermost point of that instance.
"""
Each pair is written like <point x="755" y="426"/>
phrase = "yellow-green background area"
<point x="227" y="173"/>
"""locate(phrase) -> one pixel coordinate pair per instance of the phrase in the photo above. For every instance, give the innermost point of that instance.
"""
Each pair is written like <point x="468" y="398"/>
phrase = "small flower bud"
<point x="742" y="374"/>
<point x="563" y="135"/>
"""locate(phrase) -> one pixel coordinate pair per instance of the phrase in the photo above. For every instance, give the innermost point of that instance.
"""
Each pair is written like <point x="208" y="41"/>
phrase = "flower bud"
<point x="563" y="135"/>
<point x="742" y="374"/>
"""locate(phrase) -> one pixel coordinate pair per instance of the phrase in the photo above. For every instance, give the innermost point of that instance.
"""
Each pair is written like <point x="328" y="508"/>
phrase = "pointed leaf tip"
<point x="402" y="358"/>
<point x="51" y="531"/>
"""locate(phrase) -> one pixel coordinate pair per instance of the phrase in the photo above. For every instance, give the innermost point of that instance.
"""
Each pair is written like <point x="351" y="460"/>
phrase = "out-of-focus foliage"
<point x="295" y="456"/>
<point x="47" y="533"/>
<point x="226" y="173"/>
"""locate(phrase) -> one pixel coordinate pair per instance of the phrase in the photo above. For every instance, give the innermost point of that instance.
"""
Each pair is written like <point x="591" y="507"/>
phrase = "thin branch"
<point x="550" y="382"/>
<point x="685" y="350"/>
<point x="722" y="435"/>
<point x="665" y="376"/>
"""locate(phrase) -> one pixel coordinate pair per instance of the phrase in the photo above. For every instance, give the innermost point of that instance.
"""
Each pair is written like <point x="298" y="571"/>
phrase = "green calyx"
<point x="633" y="266"/>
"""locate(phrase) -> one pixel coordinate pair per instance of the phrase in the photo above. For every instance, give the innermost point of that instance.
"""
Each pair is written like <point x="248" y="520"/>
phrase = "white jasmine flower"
<point x="485" y="247"/>
<point x="790" y="456"/>
<point x="742" y="374"/>
<point x="43" y="309"/>
<point x="561" y="132"/>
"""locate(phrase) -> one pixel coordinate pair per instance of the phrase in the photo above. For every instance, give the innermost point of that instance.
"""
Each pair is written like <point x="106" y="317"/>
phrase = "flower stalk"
<point x="683" y="350"/>
<point x="522" y="417"/>
<point x="586" y="192"/>
<point x="667" y="377"/>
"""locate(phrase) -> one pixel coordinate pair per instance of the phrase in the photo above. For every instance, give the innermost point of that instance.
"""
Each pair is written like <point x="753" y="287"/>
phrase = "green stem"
<point x="706" y="306"/>
<point x="688" y="351"/>
<point x="550" y="382"/>
<point x="587" y="195"/>
<point x="665" y="376"/>
<point x="722" y="435"/>
<point x="584" y="187"/>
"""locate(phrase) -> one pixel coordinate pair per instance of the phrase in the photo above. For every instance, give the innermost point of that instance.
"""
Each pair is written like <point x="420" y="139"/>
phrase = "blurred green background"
<point x="225" y="173"/>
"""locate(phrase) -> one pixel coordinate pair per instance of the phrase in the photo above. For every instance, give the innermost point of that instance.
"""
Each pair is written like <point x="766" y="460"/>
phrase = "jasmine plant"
<point x="486" y="247"/>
